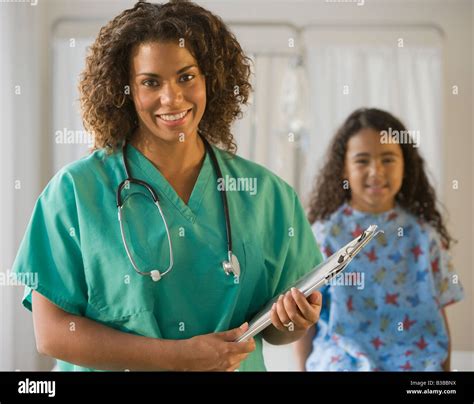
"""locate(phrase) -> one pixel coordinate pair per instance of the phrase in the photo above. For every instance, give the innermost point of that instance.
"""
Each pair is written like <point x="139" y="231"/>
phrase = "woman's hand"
<point x="217" y="351"/>
<point x="294" y="312"/>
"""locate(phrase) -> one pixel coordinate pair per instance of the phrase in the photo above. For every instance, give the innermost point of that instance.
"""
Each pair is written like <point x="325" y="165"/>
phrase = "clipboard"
<point x="312" y="281"/>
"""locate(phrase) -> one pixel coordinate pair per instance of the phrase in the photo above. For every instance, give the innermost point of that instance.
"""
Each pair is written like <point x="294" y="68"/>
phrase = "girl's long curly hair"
<point x="108" y="110"/>
<point x="416" y="195"/>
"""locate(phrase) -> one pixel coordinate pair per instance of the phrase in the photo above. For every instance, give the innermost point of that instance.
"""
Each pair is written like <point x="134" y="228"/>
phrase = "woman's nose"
<point x="170" y="94"/>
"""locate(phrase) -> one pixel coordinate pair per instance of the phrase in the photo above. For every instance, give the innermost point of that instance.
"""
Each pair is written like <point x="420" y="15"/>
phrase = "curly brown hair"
<point x="108" y="111"/>
<point x="416" y="195"/>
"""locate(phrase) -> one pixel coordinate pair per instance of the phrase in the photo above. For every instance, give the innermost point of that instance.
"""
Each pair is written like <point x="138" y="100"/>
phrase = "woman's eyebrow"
<point x="182" y="70"/>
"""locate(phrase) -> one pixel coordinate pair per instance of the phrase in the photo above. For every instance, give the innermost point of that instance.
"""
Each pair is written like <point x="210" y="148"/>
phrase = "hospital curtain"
<point x="404" y="81"/>
<point x="331" y="82"/>
<point x="264" y="134"/>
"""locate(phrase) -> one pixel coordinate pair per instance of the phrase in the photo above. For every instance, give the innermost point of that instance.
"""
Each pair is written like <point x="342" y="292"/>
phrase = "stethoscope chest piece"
<point x="232" y="265"/>
<point x="155" y="275"/>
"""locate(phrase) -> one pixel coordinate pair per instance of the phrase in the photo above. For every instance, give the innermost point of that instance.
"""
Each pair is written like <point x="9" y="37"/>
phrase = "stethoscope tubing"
<point x="129" y="179"/>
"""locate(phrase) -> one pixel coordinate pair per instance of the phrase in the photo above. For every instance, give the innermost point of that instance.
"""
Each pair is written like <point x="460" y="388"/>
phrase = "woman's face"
<point x="374" y="171"/>
<point x="168" y="90"/>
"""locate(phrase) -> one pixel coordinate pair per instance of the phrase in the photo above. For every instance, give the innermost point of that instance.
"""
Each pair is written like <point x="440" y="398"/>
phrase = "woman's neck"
<point x="171" y="158"/>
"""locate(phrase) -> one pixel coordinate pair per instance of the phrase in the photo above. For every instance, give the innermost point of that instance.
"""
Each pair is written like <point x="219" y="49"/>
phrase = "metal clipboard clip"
<point x="315" y="279"/>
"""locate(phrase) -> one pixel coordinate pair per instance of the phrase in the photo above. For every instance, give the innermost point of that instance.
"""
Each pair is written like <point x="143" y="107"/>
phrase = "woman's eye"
<point x="361" y="162"/>
<point x="388" y="161"/>
<point x="186" y="77"/>
<point x="149" y="83"/>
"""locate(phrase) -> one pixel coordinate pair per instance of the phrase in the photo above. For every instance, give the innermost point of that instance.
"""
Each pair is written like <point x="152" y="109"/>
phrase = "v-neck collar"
<point x="164" y="188"/>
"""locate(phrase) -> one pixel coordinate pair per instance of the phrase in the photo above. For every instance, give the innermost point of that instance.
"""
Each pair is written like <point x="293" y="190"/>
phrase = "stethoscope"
<point x="231" y="265"/>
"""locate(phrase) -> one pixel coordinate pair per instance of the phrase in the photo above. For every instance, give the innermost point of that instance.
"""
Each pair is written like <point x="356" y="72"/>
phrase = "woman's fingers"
<point x="296" y="316"/>
<point x="278" y="315"/>
<point x="293" y="307"/>
<point x="309" y="307"/>
<point x="286" y="316"/>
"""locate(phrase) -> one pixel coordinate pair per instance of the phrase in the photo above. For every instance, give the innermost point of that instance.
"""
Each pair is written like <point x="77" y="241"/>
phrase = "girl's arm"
<point x="447" y="362"/>
<point x="303" y="348"/>
<point x="87" y="343"/>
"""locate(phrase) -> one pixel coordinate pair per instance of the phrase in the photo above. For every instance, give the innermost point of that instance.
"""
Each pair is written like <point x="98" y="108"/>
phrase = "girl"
<point x="149" y="288"/>
<point x="388" y="311"/>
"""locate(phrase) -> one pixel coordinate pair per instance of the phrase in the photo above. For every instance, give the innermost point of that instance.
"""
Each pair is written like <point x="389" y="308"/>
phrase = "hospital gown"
<point x="385" y="313"/>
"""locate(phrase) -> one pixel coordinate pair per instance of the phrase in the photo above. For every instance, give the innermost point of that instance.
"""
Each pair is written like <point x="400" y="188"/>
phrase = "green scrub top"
<point x="73" y="242"/>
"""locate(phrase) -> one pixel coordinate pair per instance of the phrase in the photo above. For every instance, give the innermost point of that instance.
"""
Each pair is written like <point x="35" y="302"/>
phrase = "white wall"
<point x="24" y="159"/>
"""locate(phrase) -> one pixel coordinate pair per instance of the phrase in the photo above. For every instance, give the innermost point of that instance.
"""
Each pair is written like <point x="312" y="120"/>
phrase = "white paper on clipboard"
<point x="315" y="279"/>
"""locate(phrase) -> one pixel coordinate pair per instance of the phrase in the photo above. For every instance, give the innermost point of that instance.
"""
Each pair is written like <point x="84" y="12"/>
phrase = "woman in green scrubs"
<point x="164" y="80"/>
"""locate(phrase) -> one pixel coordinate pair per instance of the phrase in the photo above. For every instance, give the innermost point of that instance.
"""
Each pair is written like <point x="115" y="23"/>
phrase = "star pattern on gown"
<point x="347" y="211"/>
<point x="406" y="230"/>
<point x="392" y="216"/>
<point x="377" y="343"/>
<point x="444" y="286"/>
<point x="371" y="255"/>
<point x="369" y="303"/>
<point x="382" y="239"/>
<point x="335" y="230"/>
<point x="430" y="327"/>
<point x="421" y="275"/>
<point x="406" y="366"/>
<point x="401" y="278"/>
<point x="396" y="257"/>
<point x="413" y="300"/>
<point x="385" y="357"/>
<point x="379" y="275"/>
<point x="435" y="265"/>
<point x="416" y="252"/>
<point x="384" y="322"/>
<point x="327" y="250"/>
<point x="357" y="231"/>
<point x="421" y="343"/>
<point x="364" y="325"/>
<point x="339" y="329"/>
<point x="349" y="304"/>
<point x="392" y="298"/>
<point x="407" y="323"/>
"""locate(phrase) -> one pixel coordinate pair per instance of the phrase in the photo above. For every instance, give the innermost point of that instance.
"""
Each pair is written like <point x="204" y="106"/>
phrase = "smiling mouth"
<point x="376" y="188"/>
<point x="174" y="117"/>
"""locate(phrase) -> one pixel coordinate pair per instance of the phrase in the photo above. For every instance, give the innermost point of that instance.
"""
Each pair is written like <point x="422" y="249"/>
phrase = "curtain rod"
<point x="299" y="29"/>
<point x="341" y="24"/>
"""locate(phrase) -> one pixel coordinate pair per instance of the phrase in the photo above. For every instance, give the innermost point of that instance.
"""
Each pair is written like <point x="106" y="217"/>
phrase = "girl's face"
<point x="168" y="90"/>
<point x="374" y="171"/>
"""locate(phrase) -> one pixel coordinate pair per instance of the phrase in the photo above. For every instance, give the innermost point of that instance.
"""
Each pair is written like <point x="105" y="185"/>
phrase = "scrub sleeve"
<point x="50" y="252"/>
